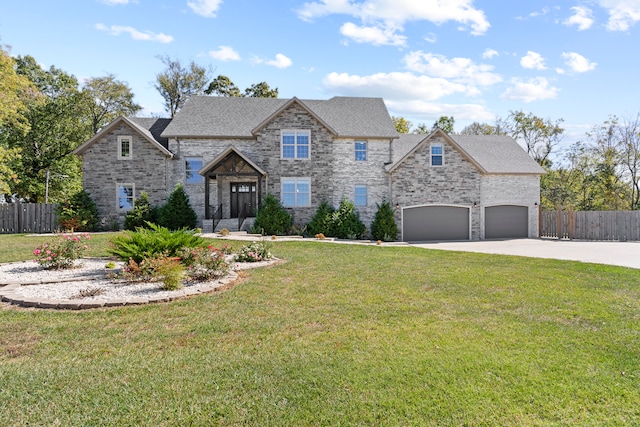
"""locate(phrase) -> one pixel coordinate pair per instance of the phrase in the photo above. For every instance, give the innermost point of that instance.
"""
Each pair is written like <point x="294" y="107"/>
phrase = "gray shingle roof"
<point x="494" y="154"/>
<point x="154" y="127"/>
<point x="212" y="116"/>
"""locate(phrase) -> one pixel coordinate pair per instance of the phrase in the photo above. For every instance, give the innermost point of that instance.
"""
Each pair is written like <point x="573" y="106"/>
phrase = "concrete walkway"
<point x="625" y="254"/>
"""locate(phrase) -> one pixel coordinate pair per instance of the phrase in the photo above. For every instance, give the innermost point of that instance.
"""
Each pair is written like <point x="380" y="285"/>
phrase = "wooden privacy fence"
<point x="28" y="218"/>
<point x="590" y="225"/>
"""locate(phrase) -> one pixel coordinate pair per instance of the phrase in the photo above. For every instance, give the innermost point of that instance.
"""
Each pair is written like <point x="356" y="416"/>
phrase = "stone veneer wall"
<point x="416" y="183"/>
<point x="521" y="190"/>
<point x="102" y="170"/>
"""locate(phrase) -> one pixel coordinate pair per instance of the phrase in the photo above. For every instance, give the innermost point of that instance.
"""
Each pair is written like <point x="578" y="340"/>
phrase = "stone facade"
<point x="102" y="171"/>
<point x="457" y="182"/>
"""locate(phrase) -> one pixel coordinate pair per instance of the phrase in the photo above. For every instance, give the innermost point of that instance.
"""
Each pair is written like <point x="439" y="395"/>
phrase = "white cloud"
<point x="531" y="90"/>
<point x="431" y="38"/>
<point x="578" y="63"/>
<point x="224" y="53"/>
<point x="375" y="35"/>
<point x="622" y="13"/>
<point x="489" y="53"/>
<point x="206" y="8"/>
<point x="583" y="18"/>
<point x="115" y="2"/>
<point x="461" y="70"/>
<point x="280" y="61"/>
<point x="116" y="30"/>
<point x="396" y="85"/>
<point x="532" y="60"/>
<point x="432" y="110"/>
<point x="389" y="16"/>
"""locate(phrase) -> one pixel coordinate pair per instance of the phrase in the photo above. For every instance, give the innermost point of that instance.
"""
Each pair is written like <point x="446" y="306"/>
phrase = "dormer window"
<point x="124" y="147"/>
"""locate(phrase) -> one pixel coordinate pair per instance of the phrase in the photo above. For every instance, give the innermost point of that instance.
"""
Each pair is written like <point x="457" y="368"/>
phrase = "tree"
<point x="422" y="129"/>
<point x="540" y="136"/>
<point x="272" y="217"/>
<point x="177" y="213"/>
<point x="476" y="128"/>
<point x="177" y="83"/>
<point x="384" y="225"/>
<point x="57" y="125"/>
<point x="445" y="123"/>
<point x="109" y="99"/>
<point x="223" y="86"/>
<point x="627" y="135"/>
<point x="402" y="125"/>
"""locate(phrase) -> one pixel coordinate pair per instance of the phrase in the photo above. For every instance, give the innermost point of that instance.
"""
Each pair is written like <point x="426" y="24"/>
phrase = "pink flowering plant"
<point x="204" y="263"/>
<point x="254" y="252"/>
<point x="63" y="252"/>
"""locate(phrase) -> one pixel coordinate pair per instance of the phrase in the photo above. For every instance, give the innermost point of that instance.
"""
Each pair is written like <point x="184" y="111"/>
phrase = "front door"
<point x="243" y="195"/>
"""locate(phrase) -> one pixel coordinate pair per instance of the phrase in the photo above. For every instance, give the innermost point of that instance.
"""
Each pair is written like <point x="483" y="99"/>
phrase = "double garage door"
<point x="453" y="222"/>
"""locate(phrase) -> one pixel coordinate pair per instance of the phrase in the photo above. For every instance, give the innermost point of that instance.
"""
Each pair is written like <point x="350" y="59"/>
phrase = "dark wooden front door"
<point x="243" y="194"/>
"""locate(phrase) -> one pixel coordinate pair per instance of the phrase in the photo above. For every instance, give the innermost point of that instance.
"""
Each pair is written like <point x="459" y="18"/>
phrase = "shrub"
<point x="63" y="253"/>
<point x="204" y="263"/>
<point x="384" y="225"/>
<point x="141" y="214"/>
<point x="254" y="252"/>
<point x="151" y="241"/>
<point x="346" y="222"/>
<point x="322" y="221"/>
<point x="271" y="218"/>
<point x="177" y="212"/>
<point x="79" y="213"/>
<point x="155" y="268"/>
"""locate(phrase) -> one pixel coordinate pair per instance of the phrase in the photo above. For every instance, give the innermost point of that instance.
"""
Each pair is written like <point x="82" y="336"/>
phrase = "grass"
<point x="343" y="335"/>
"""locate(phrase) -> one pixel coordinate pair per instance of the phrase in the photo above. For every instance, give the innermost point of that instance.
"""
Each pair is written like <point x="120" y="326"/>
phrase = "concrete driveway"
<point x="625" y="254"/>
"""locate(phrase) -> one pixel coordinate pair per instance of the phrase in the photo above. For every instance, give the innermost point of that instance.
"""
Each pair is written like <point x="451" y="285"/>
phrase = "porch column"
<point x="207" y="214"/>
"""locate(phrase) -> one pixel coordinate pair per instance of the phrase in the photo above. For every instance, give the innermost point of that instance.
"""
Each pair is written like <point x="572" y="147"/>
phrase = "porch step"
<point x="231" y="224"/>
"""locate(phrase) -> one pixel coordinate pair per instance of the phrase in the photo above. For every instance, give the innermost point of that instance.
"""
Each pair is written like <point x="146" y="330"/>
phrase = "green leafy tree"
<point x="445" y="123"/>
<point x="177" y="213"/>
<point x="476" y="128"/>
<point x="177" y="83"/>
<point x="141" y="215"/>
<point x="108" y="99"/>
<point x="422" y="129"/>
<point x="79" y="213"/>
<point x="384" y="225"/>
<point x="272" y="218"/>
<point x="223" y="86"/>
<point x="347" y="223"/>
<point x="402" y="125"/>
<point x="540" y="136"/>
<point x="322" y="221"/>
<point x="57" y="125"/>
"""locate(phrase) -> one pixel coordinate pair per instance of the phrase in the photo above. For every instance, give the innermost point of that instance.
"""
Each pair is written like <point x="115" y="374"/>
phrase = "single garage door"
<point x="435" y="223"/>
<point x="506" y="221"/>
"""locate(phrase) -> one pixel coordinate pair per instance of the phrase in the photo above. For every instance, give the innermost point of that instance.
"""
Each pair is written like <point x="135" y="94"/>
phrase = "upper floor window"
<point x="361" y="195"/>
<point x="296" y="192"/>
<point x="124" y="147"/>
<point x="296" y="144"/>
<point x="191" y="168"/>
<point x="437" y="155"/>
<point x="361" y="150"/>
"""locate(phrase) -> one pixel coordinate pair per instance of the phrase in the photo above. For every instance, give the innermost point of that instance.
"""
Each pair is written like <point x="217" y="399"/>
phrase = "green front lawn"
<point x="342" y="335"/>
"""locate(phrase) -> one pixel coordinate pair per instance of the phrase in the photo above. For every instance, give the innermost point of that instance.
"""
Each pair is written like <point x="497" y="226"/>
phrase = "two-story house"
<point x="229" y="152"/>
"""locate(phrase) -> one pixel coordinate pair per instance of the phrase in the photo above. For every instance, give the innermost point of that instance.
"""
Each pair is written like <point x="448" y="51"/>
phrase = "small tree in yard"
<point x="271" y="218"/>
<point x="322" y="221"/>
<point x="177" y="213"/>
<point x="346" y="222"/>
<point x="141" y="214"/>
<point x="80" y="213"/>
<point x="384" y="225"/>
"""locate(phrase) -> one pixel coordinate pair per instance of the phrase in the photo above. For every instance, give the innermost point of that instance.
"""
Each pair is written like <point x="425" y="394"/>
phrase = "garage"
<point x="506" y="221"/>
<point x="435" y="223"/>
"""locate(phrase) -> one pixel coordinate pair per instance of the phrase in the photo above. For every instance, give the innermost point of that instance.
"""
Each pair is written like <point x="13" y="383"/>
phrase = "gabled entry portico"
<point x="239" y="183"/>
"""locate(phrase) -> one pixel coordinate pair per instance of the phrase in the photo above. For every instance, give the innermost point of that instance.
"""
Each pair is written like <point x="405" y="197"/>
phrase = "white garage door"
<point x="435" y="223"/>
<point x="506" y="221"/>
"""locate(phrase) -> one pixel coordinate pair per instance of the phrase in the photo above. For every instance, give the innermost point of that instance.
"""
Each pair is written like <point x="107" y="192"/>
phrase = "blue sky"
<point x="474" y="60"/>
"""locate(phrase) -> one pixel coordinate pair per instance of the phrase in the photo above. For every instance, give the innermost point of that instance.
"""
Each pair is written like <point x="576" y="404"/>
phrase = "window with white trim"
<point x="296" y="192"/>
<point x="295" y="144"/>
<point x="191" y="167"/>
<point x="361" y="150"/>
<point x="437" y="154"/>
<point x="360" y="195"/>
<point x="124" y="147"/>
<point x="125" y="196"/>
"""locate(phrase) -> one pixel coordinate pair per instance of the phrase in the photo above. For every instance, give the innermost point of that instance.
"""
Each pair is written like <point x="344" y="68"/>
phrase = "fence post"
<point x="559" y="222"/>
<point x="571" y="223"/>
